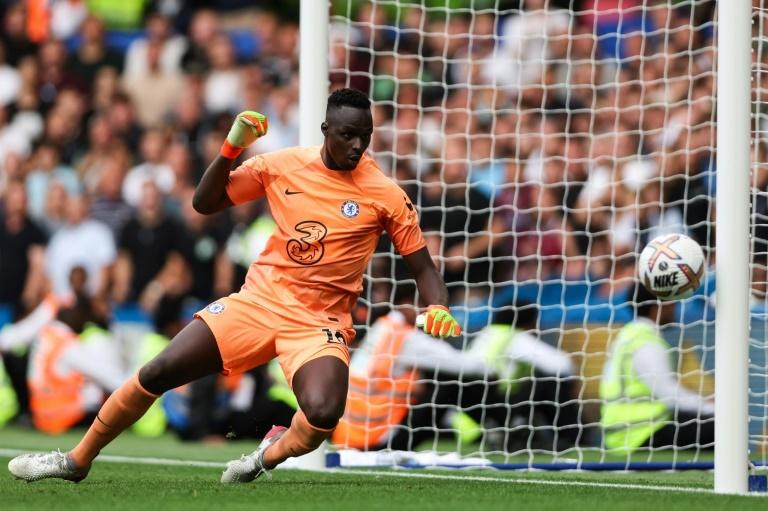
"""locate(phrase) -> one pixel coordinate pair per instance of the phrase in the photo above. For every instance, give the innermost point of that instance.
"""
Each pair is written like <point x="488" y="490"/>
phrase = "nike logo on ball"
<point x="288" y="192"/>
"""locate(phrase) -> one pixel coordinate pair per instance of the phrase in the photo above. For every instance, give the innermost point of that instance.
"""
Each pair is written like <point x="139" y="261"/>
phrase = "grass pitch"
<point x="117" y="485"/>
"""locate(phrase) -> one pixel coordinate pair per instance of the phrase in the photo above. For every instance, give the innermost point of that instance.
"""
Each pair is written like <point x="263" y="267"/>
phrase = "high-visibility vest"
<point x="380" y="392"/>
<point x="629" y="413"/>
<point x="154" y="421"/>
<point x="54" y="398"/>
<point x="9" y="405"/>
<point x="493" y="342"/>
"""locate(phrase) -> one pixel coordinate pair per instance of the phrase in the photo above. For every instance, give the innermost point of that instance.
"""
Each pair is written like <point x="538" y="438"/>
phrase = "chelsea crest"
<point x="350" y="209"/>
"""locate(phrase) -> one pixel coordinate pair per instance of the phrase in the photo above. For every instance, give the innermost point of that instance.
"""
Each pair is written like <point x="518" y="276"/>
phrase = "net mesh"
<point x="543" y="143"/>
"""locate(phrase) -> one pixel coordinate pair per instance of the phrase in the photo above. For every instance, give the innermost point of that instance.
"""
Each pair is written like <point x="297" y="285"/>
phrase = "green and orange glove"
<point x="247" y="128"/>
<point x="437" y="321"/>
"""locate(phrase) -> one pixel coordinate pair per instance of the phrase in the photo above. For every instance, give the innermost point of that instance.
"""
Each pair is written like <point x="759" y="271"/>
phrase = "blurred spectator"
<point x="102" y="148"/>
<point x="108" y="205"/>
<point x="82" y="241"/>
<point x="150" y="263"/>
<point x="202" y="31"/>
<point x="14" y="34"/>
<point x="10" y="80"/>
<point x="154" y="91"/>
<point x="169" y="49"/>
<point x="13" y="141"/>
<point x="93" y="53"/>
<point x="459" y="215"/>
<point x="22" y="245"/>
<point x="47" y="168"/>
<point x="205" y="252"/>
<point x="66" y="16"/>
<point x="528" y="41"/>
<point x="223" y="86"/>
<point x="122" y="120"/>
<point x="153" y="169"/>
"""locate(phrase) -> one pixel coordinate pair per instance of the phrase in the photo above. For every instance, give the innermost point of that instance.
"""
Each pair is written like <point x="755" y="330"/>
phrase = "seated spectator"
<point x="461" y="215"/>
<point x="202" y="30"/>
<point x="644" y="402"/>
<point x="223" y="90"/>
<point x="205" y="252"/>
<point x="156" y="90"/>
<point x="107" y="205"/>
<point x="22" y="245"/>
<point x="93" y="53"/>
<point x="81" y="241"/>
<point x="47" y="167"/>
<point x="14" y="35"/>
<point x="150" y="264"/>
<point x="169" y="48"/>
<point x="153" y="169"/>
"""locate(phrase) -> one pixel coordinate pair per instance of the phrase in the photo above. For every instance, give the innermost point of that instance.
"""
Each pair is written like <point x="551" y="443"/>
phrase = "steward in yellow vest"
<point x="643" y="402"/>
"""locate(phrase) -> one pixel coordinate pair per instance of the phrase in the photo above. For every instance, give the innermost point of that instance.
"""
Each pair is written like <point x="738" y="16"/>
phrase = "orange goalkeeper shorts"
<point x="248" y="335"/>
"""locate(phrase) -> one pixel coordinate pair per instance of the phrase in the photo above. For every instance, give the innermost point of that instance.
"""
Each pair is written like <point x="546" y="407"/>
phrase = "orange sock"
<point x="124" y="407"/>
<point x="301" y="438"/>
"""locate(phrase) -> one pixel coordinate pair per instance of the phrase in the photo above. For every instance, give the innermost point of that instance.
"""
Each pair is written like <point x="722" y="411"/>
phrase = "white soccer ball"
<point x="671" y="266"/>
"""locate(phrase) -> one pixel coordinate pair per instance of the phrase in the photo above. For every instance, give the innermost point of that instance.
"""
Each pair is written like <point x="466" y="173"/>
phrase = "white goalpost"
<point x="544" y="143"/>
<point x="734" y="94"/>
<point x="313" y="94"/>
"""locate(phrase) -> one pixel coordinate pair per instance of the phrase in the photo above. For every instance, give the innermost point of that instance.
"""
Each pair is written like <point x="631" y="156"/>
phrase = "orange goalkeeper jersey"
<point x="328" y="225"/>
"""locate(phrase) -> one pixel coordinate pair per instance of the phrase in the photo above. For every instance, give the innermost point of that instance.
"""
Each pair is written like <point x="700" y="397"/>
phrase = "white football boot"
<point x="251" y="466"/>
<point x="55" y="464"/>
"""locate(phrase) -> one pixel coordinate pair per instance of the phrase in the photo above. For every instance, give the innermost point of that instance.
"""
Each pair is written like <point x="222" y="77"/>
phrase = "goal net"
<point x="544" y="143"/>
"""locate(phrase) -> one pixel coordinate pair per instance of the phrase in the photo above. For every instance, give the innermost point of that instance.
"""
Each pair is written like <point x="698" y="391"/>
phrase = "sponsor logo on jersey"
<point x="350" y="209"/>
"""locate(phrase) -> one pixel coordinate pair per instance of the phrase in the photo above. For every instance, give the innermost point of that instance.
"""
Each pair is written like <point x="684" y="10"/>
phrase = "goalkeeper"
<point x="331" y="204"/>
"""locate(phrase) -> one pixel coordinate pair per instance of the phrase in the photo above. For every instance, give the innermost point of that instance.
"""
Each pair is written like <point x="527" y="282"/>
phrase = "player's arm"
<point x="211" y="193"/>
<point x="438" y="320"/>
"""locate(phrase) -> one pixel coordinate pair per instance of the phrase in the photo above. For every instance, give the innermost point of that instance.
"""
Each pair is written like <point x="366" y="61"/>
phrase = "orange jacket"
<point x="55" y="398"/>
<point x="380" y="393"/>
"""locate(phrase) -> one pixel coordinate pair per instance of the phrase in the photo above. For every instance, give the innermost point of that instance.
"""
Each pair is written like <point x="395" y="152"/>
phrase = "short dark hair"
<point x="522" y="315"/>
<point x="349" y="97"/>
<point x="642" y="299"/>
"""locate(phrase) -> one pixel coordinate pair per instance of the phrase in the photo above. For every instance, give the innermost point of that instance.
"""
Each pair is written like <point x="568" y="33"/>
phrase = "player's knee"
<point x="323" y="411"/>
<point x="154" y="377"/>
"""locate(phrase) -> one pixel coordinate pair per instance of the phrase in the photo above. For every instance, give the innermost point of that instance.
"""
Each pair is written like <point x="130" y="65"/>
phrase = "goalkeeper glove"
<point x="248" y="127"/>
<point x="437" y="321"/>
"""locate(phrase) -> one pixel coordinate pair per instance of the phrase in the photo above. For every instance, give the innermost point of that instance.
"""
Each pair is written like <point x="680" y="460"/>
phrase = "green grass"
<point x="117" y="486"/>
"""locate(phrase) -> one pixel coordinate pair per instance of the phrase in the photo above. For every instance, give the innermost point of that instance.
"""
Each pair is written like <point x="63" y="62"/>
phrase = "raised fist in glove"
<point x="246" y="129"/>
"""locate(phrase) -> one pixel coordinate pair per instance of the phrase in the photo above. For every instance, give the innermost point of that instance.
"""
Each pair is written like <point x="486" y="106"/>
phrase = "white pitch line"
<point x="408" y="473"/>
<point x="110" y="458"/>
<point x="544" y="482"/>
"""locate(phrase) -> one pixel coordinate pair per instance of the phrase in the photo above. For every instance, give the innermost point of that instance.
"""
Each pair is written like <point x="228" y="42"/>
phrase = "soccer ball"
<point x="671" y="266"/>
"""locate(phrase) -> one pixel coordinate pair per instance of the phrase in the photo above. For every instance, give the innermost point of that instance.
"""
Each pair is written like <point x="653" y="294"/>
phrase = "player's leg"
<point x="316" y="363"/>
<point x="193" y="353"/>
<point x="321" y="387"/>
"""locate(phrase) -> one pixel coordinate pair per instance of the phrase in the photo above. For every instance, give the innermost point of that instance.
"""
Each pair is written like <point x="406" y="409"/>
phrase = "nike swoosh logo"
<point x="288" y="192"/>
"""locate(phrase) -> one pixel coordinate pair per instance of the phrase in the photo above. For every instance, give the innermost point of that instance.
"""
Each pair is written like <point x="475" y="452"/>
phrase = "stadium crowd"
<point x="541" y="145"/>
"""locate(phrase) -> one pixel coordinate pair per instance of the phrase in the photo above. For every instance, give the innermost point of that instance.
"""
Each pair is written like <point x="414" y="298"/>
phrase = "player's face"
<point x="347" y="133"/>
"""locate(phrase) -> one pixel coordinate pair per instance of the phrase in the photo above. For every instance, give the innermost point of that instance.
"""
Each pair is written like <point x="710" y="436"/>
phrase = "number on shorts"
<point x="336" y="336"/>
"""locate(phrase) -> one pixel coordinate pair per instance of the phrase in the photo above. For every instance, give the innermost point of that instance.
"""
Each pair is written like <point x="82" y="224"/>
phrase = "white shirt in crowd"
<point x="159" y="173"/>
<point x="89" y="244"/>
